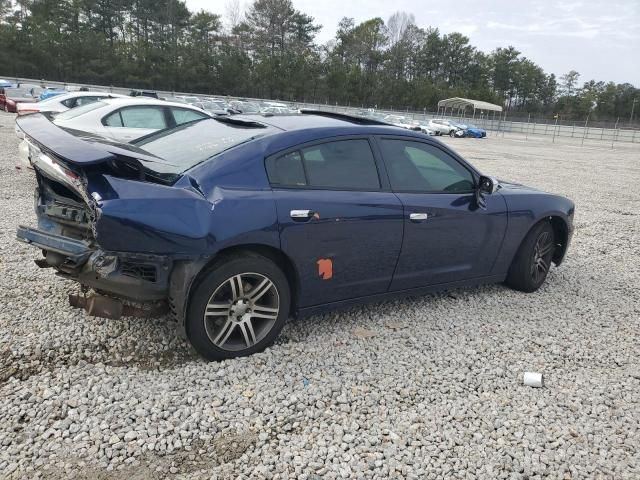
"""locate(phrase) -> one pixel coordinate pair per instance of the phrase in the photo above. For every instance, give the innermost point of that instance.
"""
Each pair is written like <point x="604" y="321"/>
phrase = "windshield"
<point x="187" y="145"/>
<point x="76" y="112"/>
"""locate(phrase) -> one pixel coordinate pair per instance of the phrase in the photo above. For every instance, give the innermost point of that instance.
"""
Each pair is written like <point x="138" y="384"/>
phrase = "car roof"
<point x="84" y="94"/>
<point x="124" y="100"/>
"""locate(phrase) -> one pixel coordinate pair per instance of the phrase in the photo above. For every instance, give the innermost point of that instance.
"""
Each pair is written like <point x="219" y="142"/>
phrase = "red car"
<point x="9" y="97"/>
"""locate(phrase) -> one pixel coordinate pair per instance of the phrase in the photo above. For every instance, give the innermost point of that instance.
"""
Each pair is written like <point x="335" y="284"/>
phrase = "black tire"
<point x="452" y="133"/>
<point x="532" y="262"/>
<point x="200" y="330"/>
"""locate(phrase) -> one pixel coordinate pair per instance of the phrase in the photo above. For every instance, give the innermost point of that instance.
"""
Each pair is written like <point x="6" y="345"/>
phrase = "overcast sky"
<point x="600" y="39"/>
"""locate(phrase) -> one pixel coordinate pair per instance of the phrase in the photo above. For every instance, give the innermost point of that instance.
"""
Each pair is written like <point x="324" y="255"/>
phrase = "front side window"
<point x="419" y="167"/>
<point x="345" y="164"/>
<point x="137" y="117"/>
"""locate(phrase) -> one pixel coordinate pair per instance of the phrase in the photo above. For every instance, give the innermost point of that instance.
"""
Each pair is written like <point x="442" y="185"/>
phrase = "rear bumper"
<point x="138" y="277"/>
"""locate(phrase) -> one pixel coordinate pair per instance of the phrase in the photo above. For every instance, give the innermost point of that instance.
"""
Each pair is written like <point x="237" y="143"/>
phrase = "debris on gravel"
<point x="421" y="388"/>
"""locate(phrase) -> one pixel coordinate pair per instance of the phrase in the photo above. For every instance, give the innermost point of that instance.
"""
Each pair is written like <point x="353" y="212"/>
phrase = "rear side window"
<point x="184" y="115"/>
<point x="69" y="102"/>
<point x="345" y="164"/>
<point x="85" y="100"/>
<point x="137" y="117"/>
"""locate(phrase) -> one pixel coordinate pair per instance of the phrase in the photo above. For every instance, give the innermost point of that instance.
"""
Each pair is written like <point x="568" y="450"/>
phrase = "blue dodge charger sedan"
<point x="238" y="223"/>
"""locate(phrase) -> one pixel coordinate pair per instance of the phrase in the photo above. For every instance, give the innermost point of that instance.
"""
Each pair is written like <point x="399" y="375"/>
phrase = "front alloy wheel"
<point x="532" y="262"/>
<point x="541" y="261"/>
<point x="238" y="307"/>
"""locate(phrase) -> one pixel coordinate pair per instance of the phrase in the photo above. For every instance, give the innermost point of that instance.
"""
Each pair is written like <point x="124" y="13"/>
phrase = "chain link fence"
<point x="501" y="123"/>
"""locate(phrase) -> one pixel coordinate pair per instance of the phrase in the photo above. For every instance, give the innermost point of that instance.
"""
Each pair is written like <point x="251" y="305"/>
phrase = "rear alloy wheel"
<point x="533" y="260"/>
<point x="238" y="308"/>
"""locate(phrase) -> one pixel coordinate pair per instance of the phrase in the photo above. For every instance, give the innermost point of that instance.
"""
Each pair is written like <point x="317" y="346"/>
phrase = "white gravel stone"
<point x="435" y="392"/>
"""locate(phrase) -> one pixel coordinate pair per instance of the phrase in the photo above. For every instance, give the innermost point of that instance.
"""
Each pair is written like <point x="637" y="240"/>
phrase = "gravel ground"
<point x="427" y="387"/>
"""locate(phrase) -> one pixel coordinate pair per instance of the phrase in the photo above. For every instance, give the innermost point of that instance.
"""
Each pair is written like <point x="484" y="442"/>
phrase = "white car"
<point x="423" y="125"/>
<point x="64" y="102"/>
<point x="122" y="119"/>
<point x="400" y="121"/>
<point x="125" y="119"/>
<point x="442" y="127"/>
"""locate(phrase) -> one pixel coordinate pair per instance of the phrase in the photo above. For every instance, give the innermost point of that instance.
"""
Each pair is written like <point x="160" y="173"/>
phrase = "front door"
<point x="338" y="226"/>
<point x="447" y="237"/>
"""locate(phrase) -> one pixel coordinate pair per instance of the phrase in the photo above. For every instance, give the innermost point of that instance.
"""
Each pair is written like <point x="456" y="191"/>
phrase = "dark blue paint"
<point x="376" y="250"/>
<point x="361" y="232"/>
<point x="458" y="240"/>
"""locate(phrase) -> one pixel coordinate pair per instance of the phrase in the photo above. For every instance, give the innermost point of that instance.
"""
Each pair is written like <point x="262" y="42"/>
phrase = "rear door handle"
<point x="301" y="214"/>
<point x="418" y="217"/>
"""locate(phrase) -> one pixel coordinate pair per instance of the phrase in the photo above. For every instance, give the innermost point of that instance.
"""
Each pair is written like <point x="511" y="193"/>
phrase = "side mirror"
<point x="486" y="185"/>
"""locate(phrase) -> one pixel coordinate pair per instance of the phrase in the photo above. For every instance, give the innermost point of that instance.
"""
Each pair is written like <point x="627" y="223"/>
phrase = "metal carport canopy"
<point x="457" y="102"/>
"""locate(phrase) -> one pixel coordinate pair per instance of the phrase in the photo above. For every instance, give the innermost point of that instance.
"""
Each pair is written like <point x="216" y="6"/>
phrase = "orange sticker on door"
<point x="325" y="268"/>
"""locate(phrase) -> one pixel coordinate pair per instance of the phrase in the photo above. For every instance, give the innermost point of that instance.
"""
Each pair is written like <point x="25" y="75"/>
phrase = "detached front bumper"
<point x="138" y="277"/>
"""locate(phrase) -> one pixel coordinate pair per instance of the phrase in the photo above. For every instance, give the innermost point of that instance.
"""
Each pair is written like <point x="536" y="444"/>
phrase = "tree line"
<point x="270" y="51"/>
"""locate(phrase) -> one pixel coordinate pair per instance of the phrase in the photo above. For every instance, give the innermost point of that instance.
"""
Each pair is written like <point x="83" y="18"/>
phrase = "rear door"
<point x="338" y="222"/>
<point x="129" y="123"/>
<point x="447" y="237"/>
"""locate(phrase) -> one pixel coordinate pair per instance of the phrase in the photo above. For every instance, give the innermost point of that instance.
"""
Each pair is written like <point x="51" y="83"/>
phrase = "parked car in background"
<point x="402" y="122"/>
<point x="441" y="126"/>
<point x="125" y="119"/>
<point x="239" y="222"/>
<point x="460" y="129"/>
<point x="49" y="92"/>
<point x="10" y="98"/>
<point x="423" y="125"/>
<point x="270" y="104"/>
<point x="214" y="107"/>
<point x="275" y="110"/>
<point x="189" y="99"/>
<point x="173" y="99"/>
<point x="471" y="130"/>
<point x="143" y="93"/>
<point x="6" y="84"/>
<point x="242" y="106"/>
<point x="64" y="102"/>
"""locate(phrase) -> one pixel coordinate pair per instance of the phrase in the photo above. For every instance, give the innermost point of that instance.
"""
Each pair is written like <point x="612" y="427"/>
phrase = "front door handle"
<point x="301" y="214"/>
<point x="418" y="217"/>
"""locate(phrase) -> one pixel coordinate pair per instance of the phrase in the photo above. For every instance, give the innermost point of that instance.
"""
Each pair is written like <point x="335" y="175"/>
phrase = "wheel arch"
<point x="187" y="275"/>
<point x="560" y="233"/>
<point x="561" y="237"/>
